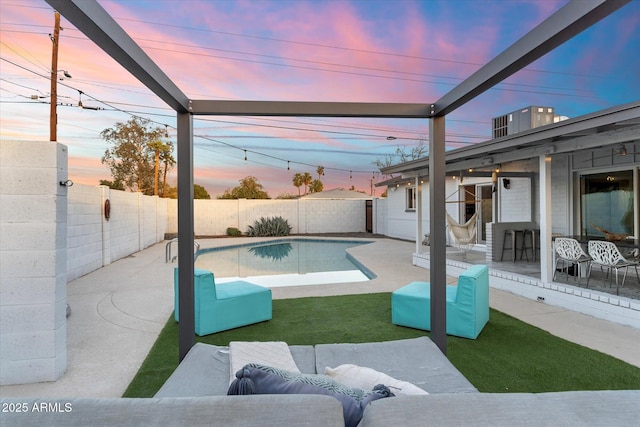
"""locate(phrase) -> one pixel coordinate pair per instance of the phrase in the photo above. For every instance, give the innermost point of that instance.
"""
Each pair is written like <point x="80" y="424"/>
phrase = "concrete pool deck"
<point x="118" y="311"/>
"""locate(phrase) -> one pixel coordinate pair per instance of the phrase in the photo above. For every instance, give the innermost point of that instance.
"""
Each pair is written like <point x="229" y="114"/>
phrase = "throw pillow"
<point x="269" y="353"/>
<point x="260" y="379"/>
<point x="365" y="378"/>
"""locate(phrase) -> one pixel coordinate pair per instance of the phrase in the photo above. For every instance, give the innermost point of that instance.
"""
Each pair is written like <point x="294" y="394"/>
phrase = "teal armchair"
<point x="222" y="306"/>
<point x="467" y="304"/>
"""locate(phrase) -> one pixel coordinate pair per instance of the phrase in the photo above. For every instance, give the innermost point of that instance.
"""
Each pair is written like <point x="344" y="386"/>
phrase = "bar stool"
<point x="510" y="235"/>
<point x="523" y="249"/>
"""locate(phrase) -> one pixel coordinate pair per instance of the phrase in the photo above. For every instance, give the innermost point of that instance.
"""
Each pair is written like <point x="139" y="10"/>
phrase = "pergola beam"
<point x="567" y="22"/>
<point x="309" y="109"/>
<point x="95" y="23"/>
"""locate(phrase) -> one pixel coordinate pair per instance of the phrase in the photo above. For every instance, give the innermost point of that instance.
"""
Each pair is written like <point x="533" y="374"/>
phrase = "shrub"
<point x="276" y="226"/>
<point x="232" y="231"/>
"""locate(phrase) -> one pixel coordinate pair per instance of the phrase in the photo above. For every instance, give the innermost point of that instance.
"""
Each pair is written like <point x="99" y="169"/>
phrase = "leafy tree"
<point x="298" y="181"/>
<point x="316" y="186"/>
<point x="168" y="162"/>
<point x="114" y="185"/>
<point x="401" y="155"/>
<point x="199" y="192"/>
<point x="134" y="154"/>
<point x="249" y="188"/>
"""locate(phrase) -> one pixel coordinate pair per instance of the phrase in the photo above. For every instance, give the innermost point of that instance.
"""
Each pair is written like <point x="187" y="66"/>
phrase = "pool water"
<point x="290" y="262"/>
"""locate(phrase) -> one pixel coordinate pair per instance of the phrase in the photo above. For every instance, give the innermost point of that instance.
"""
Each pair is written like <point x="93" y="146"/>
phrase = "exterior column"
<point x="437" y="220"/>
<point x="546" y="244"/>
<point x="418" y="214"/>
<point x="186" y="259"/>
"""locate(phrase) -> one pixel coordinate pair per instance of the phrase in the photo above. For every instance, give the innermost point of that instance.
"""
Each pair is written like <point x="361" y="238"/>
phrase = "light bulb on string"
<point x="245" y="155"/>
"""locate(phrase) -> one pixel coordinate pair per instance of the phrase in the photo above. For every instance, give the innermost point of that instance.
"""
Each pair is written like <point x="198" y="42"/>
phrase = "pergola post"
<point x="438" y="255"/>
<point x="186" y="258"/>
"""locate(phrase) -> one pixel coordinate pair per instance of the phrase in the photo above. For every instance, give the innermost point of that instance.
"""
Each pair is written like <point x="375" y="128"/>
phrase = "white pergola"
<point x="91" y="19"/>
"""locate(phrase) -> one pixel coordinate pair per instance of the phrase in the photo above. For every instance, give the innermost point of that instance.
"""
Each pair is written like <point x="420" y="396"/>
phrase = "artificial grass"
<point x="508" y="356"/>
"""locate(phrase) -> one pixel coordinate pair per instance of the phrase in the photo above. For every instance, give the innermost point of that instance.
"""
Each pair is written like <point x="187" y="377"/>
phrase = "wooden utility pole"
<point x="53" y="117"/>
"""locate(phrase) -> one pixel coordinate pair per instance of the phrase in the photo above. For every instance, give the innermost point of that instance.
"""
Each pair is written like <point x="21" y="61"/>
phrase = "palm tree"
<point x="298" y="181"/>
<point x="306" y="180"/>
<point x="320" y="171"/>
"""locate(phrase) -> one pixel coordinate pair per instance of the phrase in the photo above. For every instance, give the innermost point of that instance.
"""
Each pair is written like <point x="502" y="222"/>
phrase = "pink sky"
<point x="374" y="51"/>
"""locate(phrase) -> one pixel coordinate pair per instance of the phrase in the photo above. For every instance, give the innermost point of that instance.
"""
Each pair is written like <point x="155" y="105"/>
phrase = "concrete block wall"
<point x="213" y="217"/>
<point x="85" y="230"/>
<point x="136" y="222"/>
<point x="33" y="263"/>
<point x="338" y="216"/>
<point x="250" y="211"/>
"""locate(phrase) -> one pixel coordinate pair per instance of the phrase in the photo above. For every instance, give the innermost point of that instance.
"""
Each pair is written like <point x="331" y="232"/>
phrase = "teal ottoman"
<point x="467" y="304"/>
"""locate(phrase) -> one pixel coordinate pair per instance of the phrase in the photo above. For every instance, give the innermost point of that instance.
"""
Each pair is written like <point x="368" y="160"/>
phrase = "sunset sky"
<point x="289" y="50"/>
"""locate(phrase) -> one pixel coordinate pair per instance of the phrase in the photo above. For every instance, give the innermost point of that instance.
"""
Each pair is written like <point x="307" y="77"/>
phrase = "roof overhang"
<point x="612" y="126"/>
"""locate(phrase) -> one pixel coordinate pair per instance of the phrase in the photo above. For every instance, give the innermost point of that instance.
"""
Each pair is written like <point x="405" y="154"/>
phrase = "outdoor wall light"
<point x="621" y="150"/>
<point x="67" y="183"/>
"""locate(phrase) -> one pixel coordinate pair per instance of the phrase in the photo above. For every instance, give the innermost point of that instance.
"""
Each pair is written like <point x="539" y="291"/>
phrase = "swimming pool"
<point x="285" y="262"/>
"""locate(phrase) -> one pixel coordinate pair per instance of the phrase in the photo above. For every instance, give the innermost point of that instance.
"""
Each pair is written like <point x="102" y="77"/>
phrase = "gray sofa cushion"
<point x="227" y="411"/>
<point x="205" y="371"/>
<point x="571" y="408"/>
<point x="418" y="361"/>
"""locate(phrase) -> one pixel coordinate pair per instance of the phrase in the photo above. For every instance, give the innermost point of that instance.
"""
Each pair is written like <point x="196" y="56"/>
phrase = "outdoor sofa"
<point x="195" y="394"/>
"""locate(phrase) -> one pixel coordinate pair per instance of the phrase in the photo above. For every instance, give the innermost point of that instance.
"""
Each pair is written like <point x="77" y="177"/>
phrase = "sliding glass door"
<point x="607" y="201"/>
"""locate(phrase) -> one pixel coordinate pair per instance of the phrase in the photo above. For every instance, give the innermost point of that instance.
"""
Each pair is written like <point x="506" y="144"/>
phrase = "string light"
<point x="245" y="155"/>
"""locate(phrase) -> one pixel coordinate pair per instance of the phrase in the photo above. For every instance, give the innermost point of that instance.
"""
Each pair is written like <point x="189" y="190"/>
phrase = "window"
<point x="411" y="199"/>
<point x="607" y="201"/>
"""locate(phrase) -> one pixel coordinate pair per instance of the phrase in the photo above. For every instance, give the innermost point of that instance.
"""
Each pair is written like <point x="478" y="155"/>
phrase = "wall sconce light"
<point x="67" y="183"/>
<point x="506" y="183"/>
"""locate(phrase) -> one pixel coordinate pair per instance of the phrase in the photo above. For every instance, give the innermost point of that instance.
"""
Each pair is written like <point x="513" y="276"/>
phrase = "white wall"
<point x="33" y="261"/>
<point x="305" y="216"/>
<point x="136" y="222"/>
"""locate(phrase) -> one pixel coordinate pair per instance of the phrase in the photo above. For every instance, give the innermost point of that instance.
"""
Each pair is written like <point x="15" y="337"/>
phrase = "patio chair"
<point x="606" y="255"/>
<point x="222" y="306"/>
<point x="467" y="304"/>
<point x="463" y="235"/>
<point x="569" y="252"/>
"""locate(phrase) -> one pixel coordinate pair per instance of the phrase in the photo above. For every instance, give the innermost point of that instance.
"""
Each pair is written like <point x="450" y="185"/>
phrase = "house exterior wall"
<point x="400" y="222"/>
<point x="33" y="261"/>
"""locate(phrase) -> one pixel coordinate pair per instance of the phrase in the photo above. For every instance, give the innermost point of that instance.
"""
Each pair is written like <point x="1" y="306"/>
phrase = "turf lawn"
<point x="508" y="356"/>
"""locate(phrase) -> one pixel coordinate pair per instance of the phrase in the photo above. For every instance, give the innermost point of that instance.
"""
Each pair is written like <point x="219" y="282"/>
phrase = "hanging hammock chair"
<point x="463" y="236"/>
